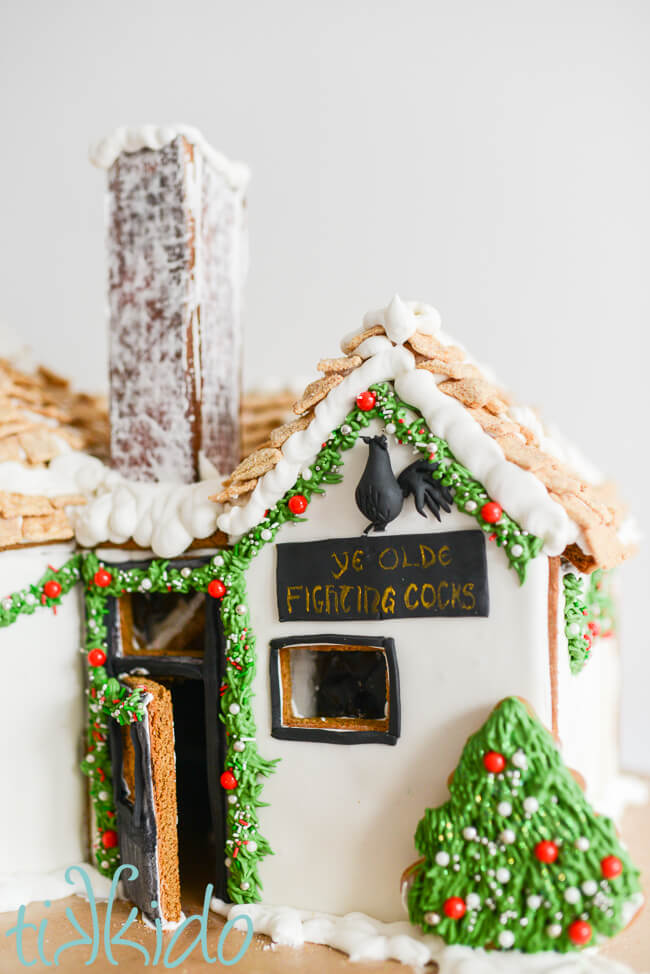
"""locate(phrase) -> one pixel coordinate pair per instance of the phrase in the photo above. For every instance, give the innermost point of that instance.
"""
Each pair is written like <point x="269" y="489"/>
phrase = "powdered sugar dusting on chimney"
<point x="175" y="251"/>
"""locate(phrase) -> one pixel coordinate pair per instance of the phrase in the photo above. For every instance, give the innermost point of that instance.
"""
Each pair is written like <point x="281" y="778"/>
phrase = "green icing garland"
<point x="247" y="846"/>
<point x="408" y="427"/>
<point x="27" y="600"/>
<point x="589" y="612"/>
<point x="485" y="880"/>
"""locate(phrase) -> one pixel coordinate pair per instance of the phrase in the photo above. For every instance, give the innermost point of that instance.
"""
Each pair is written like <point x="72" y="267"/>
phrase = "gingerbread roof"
<point x="167" y="518"/>
<point x="538" y="479"/>
<point x="41" y="417"/>
<point x="262" y="411"/>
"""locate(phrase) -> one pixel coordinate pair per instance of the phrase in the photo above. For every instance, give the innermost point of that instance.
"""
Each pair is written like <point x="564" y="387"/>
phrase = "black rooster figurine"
<point x="428" y="492"/>
<point x="380" y="495"/>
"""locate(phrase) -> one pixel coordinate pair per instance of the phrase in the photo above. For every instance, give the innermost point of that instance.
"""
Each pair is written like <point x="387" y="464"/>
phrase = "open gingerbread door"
<point x="145" y="794"/>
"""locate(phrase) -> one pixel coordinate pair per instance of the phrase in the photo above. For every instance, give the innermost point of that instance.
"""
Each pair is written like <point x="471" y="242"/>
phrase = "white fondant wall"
<point x="41" y="724"/>
<point x="588" y="714"/>
<point x="341" y="818"/>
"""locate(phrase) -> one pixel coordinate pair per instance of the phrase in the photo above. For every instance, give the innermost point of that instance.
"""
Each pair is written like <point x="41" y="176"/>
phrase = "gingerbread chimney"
<point x="176" y="264"/>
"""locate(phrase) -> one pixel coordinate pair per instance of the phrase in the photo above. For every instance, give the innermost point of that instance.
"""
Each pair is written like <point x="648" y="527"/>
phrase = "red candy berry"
<point x="102" y="578"/>
<point x="298" y="504"/>
<point x="611" y="867"/>
<point x="217" y="589"/>
<point x="109" y="839"/>
<point x="454" y="908"/>
<point x="228" y="780"/>
<point x="96" y="657"/>
<point x="494" y="762"/>
<point x="52" y="589"/>
<point x="579" y="932"/>
<point x="546" y="851"/>
<point x="491" y="512"/>
<point x="366" y="401"/>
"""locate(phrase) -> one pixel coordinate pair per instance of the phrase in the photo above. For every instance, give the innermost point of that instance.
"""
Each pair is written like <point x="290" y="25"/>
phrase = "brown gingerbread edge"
<point x="163" y="767"/>
<point x="553" y="648"/>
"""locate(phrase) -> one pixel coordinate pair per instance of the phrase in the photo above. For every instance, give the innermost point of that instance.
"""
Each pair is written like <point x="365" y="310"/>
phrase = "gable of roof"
<point x="540" y="482"/>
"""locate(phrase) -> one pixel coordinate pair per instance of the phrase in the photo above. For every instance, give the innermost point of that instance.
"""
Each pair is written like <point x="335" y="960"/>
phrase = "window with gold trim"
<point x="335" y="689"/>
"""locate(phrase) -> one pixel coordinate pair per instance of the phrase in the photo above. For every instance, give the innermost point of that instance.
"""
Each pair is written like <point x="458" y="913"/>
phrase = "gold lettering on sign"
<point x="290" y="596"/>
<point x="406" y="563"/>
<point x="428" y="603"/>
<point x="408" y="602"/>
<point x="371" y="605"/>
<point x="382" y="559"/>
<point x="428" y="578"/>
<point x="388" y="601"/>
<point x="343" y="566"/>
<point x="427" y="556"/>
<point x="468" y="592"/>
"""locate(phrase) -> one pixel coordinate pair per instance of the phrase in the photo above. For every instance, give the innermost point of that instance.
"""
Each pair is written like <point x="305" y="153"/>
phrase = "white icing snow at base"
<point x="19" y="889"/>
<point x="365" y="939"/>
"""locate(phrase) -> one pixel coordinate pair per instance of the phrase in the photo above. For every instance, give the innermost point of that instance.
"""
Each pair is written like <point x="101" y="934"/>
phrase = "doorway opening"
<point x="197" y="843"/>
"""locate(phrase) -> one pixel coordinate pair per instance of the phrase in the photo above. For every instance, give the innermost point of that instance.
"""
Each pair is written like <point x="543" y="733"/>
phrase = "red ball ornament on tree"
<point x="298" y="504"/>
<point x="579" y="932"/>
<point x="491" y="512"/>
<point x="102" y="578"/>
<point x="454" y="908"/>
<point x="109" y="839"/>
<point x="228" y="780"/>
<point x="494" y="762"/>
<point x="366" y="401"/>
<point x="96" y="657"/>
<point x="546" y="851"/>
<point x="217" y="589"/>
<point x="611" y="867"/>
<point x="52" y="589"/>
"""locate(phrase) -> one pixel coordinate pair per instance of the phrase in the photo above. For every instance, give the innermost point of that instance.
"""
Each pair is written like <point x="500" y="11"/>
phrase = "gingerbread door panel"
<point x="145" y="799"/>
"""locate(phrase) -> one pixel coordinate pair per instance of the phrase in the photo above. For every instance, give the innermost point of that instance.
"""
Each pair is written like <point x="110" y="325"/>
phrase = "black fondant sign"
<point x="389" y="577"/>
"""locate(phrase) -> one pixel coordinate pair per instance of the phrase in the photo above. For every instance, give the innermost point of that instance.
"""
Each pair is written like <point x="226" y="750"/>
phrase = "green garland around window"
<point x="588" y="614"/>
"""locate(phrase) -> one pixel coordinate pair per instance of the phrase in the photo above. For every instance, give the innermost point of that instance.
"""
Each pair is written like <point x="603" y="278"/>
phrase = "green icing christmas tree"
<point x="517" y="858"/>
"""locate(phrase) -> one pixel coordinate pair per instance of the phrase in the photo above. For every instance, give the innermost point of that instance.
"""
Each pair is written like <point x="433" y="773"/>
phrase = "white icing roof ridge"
<point x="104" y="152"/>
<point x="538" y="479"/>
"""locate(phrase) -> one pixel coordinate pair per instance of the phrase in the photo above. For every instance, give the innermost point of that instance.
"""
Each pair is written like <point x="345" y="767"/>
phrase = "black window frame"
<point x="281" y="731"/>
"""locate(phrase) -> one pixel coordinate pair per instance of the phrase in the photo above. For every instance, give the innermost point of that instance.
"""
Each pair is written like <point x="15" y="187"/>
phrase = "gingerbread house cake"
<point x="284" y="655"/>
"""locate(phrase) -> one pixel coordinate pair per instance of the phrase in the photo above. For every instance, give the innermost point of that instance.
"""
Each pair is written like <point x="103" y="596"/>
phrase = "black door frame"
<point x="210" y="670"/>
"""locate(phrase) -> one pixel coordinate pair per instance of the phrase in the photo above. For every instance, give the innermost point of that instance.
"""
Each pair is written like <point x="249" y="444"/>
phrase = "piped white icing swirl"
<point x="104" y="152"/>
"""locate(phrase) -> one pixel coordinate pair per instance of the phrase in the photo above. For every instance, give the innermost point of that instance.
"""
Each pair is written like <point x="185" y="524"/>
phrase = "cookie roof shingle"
<point x="41" y="417"/>
<point x="575" y="512"/>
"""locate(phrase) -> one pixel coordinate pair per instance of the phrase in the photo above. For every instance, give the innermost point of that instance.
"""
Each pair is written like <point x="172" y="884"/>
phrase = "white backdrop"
<point x="491" y="158"/>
